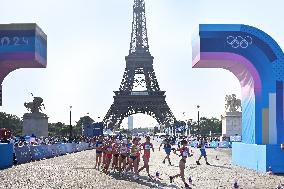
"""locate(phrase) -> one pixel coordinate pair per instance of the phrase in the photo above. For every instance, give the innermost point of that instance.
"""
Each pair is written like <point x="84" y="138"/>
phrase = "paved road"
<point x="77" y="171"/>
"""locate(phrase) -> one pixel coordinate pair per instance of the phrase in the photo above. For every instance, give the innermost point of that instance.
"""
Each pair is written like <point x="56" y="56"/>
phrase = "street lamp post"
<point x="70" y="124"/>
<point x="189" y="126"/>
<point x="198" y="121"/>
<point x="184" y="128"/>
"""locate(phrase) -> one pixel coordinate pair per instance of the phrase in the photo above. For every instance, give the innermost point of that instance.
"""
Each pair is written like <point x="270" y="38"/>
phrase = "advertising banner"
<point x="224" y="144"/>
<point x="22" y="154"/>
<point x="37" y="152"/>
<point x="235" y="138"/>
<point x="6" y="159"/>
<point x="213" y="144"/>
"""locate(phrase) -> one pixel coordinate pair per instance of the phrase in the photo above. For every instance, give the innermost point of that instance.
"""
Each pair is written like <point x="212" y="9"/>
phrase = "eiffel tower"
<point x="139" y="73"/>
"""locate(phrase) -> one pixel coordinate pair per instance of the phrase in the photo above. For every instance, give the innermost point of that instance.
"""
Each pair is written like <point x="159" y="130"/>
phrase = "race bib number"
<point x="184" y="153"/>
<point x="123" y="150"/>
<point x="147" y="147"/>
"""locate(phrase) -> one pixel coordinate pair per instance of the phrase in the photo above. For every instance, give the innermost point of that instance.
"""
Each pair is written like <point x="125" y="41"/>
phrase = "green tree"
<point x="193" y="127"/>
<point x="180" y="123"/>
<point x="213" y="124"/>
<point x="58" y="129"/>
<point x="12" y="122"/>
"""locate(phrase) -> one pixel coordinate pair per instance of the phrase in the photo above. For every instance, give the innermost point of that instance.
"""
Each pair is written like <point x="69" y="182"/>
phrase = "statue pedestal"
<point x="232" y="124"/>
<point x="35" y="123"/>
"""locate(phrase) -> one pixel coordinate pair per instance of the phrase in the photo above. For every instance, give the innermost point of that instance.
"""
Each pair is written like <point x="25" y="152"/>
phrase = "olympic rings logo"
<point x="239" y="41"/>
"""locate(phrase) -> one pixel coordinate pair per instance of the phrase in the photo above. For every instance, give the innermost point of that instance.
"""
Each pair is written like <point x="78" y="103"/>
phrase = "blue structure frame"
<point x="257" y="61"/>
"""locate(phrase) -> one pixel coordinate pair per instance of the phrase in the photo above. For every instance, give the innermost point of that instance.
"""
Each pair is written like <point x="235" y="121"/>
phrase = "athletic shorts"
<point x="203" y="152"/>
<point x="146" y="156"/>
<point x="133" y="158"/>
<point x="109" y="156"/>
<point x="183" y="160"/>
<point x="123" y="156"/>
<point x="168" y="151"/>
<point x="99" y="152"/>
<point x="116" y="155"/>
<point x="182" y="163"/>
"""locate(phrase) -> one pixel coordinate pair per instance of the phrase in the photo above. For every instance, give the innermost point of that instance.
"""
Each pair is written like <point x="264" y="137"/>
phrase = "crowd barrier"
<point x="235" y="138"/>
<point x="6" y="158"/>
<point x="31" y="153"/>
<point x="213" y="144"/>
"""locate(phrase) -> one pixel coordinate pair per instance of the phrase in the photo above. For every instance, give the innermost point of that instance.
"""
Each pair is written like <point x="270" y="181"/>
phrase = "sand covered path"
<point x="77" y="171"/>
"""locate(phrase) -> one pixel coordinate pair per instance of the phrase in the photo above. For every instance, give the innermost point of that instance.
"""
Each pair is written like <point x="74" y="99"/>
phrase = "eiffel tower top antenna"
<point x="139" y="40"/>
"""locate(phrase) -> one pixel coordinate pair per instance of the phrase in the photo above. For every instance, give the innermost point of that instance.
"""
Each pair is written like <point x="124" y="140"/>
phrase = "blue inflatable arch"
<point x="257" y="61"/>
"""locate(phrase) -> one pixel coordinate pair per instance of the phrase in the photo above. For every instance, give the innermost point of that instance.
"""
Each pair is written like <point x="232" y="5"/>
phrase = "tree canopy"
<point x="206" y="125"/>
<point x="11" y="122"/>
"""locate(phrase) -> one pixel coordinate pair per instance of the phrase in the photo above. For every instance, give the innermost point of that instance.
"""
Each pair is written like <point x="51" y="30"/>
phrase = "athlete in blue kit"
<point x="167" y="148"/>
<point x="99" y="151"/>
<point x="202" y="154"/>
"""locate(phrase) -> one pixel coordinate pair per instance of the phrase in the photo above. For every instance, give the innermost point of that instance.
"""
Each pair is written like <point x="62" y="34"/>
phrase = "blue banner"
<point x="224" y="144"/>
<point x="69" y="148"/>
<point x="74" y="147"/>
<point x="45" y="151"/>
<point x="22" y="154"/>
<point x="194" y="144"/>
<point x="54" y="149"/>
<point x="37" y="152"/>
<point x="28" y="153"/>
<point x="24" y="42"/>
<point x="213" y="144"/>
<point x="6" y="159"/>
<point x="98" y="129"/>
<point x="62" y="149"/>
<point x="235" y="138"/>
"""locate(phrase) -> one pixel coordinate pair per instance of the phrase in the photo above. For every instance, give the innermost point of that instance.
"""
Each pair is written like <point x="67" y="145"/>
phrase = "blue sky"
<point x="88" y="40"/>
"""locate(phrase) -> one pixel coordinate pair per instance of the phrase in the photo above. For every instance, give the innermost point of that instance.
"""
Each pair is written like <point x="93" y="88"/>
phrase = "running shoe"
<point x="164" y="162"/>
<point x="187" y="186"/>
<point x="136" y="177"/>
<point x="123" y="173"/>
<point x="171" y="179"/>
<point x="170" y="163"/>
<point x="207" y="163"/>
<point x="197" y="162"/>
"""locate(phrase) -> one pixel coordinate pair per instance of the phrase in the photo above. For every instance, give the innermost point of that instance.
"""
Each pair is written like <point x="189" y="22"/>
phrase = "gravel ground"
<point x="77" y="171"/>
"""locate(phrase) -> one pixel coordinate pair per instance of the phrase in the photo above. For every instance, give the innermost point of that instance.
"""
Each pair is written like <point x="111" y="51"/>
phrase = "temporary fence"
<point x="213" y="144"/>
<point x="6" y="159"/>
<point x="29" y="153"/>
